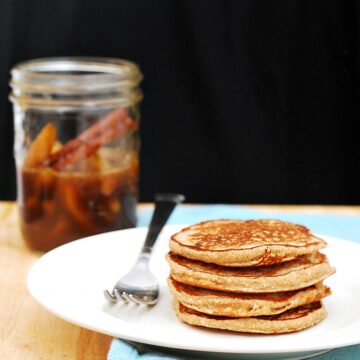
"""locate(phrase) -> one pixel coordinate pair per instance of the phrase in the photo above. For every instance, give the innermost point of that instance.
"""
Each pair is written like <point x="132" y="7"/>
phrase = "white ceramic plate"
<point x="69" y="282"/>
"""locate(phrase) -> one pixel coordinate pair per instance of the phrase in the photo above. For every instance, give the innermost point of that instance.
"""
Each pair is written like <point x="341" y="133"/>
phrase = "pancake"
<point x="296" y="274"/>
<point x="289" y="321"/>
<point x="244" y="305"/>
<point x="245" y="243"/>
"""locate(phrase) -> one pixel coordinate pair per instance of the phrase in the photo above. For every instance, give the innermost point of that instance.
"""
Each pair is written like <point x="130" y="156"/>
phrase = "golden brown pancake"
<point x="292" y="320"/>
<point x="296" y="274"/>
<point x="223" y="303"/>
<point x="244" y="243"/>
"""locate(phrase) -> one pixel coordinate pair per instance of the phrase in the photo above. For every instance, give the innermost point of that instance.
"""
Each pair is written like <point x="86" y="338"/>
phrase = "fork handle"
<point x="164" y="206"/>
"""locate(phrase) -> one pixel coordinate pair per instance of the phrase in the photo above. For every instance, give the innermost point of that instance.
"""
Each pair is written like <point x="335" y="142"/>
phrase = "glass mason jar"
<point x="76" y="147"/>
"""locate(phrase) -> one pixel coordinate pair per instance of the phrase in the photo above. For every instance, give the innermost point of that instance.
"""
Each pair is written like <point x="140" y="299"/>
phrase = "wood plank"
<point x="27" y="330"/>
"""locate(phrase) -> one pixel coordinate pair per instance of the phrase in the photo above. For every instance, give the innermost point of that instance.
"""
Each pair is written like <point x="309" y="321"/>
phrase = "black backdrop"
<point x="246" y="101"/>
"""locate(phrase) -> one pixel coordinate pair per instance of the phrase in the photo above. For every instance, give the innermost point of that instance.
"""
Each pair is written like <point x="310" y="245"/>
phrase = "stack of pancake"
<point x="258" y="276"/>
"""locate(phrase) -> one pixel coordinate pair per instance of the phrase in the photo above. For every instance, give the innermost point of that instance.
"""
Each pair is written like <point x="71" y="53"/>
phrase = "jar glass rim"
<point x="64" y="71"/>
<point x="72" y="82"/>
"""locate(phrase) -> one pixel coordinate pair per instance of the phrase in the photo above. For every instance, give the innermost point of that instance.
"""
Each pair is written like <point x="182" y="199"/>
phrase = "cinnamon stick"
<point x="114" y="125"/>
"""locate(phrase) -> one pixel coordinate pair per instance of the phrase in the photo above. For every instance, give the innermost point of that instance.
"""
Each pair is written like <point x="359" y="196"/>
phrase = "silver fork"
<point x="140" y="285"/>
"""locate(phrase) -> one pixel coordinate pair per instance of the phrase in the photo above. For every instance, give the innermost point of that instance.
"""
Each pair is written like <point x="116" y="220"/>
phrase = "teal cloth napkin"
<point x="343" y="226"/>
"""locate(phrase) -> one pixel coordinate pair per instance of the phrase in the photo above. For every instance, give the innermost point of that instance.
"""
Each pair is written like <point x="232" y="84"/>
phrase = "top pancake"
<point x="245" y="242"/>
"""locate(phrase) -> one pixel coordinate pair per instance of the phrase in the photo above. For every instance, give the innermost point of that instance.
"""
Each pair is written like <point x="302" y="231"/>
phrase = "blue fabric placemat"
<point x="343" y="226"/>
<point x="122" y="350"/>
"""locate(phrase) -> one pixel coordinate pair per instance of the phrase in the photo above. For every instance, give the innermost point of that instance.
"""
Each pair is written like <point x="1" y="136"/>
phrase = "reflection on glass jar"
<point x="76" y="147"/>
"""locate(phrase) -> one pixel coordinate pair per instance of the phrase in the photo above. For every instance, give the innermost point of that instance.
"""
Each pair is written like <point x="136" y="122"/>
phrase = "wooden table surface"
<point x="27" y="331"/>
